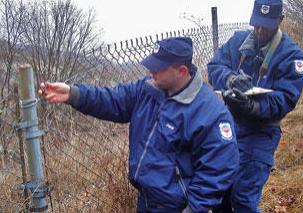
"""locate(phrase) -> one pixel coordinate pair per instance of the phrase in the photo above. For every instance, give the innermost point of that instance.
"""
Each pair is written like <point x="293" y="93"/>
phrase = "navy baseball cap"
<point x="266" y="13"/>
<point x="168" y="52"/>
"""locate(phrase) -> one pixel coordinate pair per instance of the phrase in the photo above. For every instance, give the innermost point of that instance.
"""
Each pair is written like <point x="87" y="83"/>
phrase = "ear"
<point x="183" y="70"/>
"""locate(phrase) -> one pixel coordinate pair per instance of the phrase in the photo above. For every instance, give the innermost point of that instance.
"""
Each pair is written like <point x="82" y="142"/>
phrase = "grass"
<point x="283" y="192"/>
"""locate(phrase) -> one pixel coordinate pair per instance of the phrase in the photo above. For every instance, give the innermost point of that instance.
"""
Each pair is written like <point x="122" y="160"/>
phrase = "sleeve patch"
<point x="299" y="66"/>
<point x="225" y="130"/>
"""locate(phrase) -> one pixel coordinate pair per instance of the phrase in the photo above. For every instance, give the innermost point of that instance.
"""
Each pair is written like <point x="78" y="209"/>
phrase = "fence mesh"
<point x="85" y="159"/>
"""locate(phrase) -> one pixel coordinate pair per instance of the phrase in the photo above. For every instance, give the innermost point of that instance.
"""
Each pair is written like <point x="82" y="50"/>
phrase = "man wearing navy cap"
<point x="267" y="58"/>
<point x="183" y="152"/>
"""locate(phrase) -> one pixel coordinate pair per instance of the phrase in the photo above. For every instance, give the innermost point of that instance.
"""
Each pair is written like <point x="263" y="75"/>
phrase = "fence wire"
<point x="85" y="159"/>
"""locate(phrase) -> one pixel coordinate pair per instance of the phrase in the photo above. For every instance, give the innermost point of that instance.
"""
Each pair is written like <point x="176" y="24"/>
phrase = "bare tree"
<point x="56" y="37"/>
<point x="201" y="36"/>
<point x="12" y="15"/>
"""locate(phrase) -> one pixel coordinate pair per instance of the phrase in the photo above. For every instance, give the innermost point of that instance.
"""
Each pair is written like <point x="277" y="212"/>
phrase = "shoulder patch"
<point x="299" y="66"/>
<point x="225" y="130"/>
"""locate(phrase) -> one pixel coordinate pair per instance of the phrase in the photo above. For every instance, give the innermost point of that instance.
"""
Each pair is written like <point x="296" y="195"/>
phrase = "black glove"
<point x="238" y="102"/>
<point x="240" y="82"/>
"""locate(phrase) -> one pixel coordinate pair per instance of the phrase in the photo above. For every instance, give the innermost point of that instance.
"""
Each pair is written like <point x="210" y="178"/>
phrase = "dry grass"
<point x="284" y="191"/>
<point x="86" y="163"/>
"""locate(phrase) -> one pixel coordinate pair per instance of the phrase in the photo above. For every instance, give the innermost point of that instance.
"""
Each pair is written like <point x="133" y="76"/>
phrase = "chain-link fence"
<point x="85" y="159"/>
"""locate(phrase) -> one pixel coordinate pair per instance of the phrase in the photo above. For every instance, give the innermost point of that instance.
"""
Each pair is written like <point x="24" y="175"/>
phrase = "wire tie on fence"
<point x="24" y="104"/>
<point x="34" y="134"/>
<point x="26" y="124"/>
<point x="39" y="191"/>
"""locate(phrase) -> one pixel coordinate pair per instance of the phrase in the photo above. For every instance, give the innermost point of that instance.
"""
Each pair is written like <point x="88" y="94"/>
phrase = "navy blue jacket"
<point x="284" y="76"/>
<point x="281" y="75"/>
<point x="182" y="148"/>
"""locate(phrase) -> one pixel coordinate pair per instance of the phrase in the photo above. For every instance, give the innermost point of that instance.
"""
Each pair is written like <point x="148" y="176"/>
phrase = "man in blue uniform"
<point x="267" y="58"/>
<point x="183" y="152"/>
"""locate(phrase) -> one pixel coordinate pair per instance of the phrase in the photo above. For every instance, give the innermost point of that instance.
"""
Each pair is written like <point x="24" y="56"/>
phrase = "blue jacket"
<point x="284" y="76"/>
<point x="182" y="148"/>
<point x="281" y="75"/>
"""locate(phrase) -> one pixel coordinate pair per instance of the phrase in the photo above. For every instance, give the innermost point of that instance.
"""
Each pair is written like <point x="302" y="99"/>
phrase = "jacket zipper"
<point x="145" y="149"/>
<point x="181" y="182"/>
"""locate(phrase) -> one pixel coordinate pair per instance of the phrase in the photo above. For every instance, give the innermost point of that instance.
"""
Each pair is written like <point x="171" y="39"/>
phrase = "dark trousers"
<point x="245" y="194"/>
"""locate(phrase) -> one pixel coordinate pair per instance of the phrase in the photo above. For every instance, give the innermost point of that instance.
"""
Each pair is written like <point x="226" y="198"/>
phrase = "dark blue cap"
<point x="169" y="51"/>
<point x="266" y="13"/>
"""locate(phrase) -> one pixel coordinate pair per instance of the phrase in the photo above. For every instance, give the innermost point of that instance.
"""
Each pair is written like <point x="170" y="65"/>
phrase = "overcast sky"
<point x="126" y="19"/>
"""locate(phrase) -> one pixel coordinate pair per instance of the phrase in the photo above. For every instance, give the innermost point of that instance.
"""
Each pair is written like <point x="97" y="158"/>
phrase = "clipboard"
<point x="252" y="91"/>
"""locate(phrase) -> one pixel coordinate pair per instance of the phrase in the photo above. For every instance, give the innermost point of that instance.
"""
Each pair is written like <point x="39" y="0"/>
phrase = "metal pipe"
<point x="31" y="135"/>
<point x="215" y="33"/>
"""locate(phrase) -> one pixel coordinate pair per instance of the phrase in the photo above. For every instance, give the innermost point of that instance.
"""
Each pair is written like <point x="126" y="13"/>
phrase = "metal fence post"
<point x="31" y="135"/>
<point x="214" y="18"/>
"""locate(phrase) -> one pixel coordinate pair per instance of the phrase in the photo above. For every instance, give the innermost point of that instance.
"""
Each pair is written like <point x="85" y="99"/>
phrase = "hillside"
<point x="284" y="190"/>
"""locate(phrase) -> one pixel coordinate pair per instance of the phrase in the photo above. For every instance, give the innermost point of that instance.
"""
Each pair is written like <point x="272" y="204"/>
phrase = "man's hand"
<point x="238" y="102"/>
<point x="241" y="82"/>
<point x="54" y="92"/>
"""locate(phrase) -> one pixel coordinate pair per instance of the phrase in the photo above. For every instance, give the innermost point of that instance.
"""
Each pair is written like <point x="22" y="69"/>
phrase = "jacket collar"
<point x="186" y="96"/>
<point x="248" y="46"/>
<point x="190" y="92"/>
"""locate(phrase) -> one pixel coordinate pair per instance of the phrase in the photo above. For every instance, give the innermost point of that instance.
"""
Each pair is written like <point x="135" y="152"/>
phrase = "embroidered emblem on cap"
<point x="299" y="66"/>
<point x="156" y="48"/>
<point x="226" y="131"/>
<point x="265" y="9"/>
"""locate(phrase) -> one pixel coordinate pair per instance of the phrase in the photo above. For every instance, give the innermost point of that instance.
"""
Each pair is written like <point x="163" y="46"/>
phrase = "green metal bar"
<point x="31" y="136"/>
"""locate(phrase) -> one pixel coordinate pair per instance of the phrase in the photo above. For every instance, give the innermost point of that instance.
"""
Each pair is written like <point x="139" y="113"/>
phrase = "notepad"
<point x="252" y="91"/>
